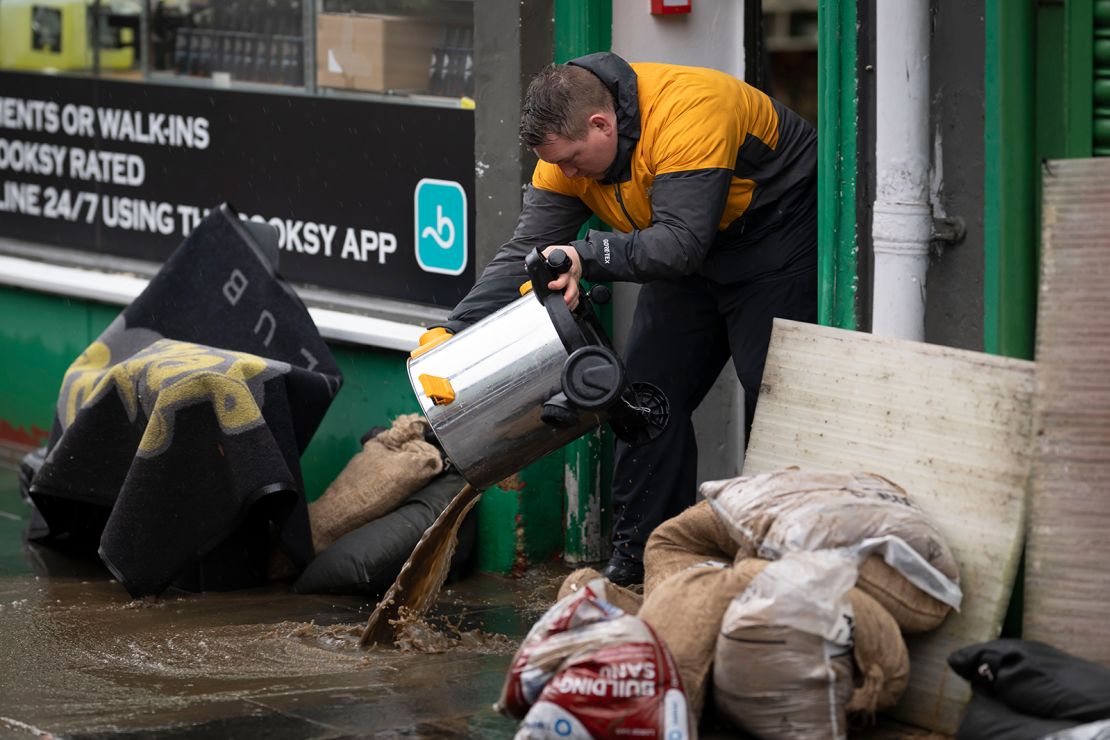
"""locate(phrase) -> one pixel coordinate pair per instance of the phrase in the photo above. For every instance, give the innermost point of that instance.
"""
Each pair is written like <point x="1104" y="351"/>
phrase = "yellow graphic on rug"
<point x="80" y="379"/>
<point x="168" y="376"/>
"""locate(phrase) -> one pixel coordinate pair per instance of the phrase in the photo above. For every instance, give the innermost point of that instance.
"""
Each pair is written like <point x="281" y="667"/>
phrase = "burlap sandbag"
<point x="622" y="598"/>
<point x="881" y="659"/>
<point x="779" y="683"/>
<point x="911" y="608"/>
<point x="782" y="663"/>
<point x="390" y="467"/>
<point x="686" y="610"/>
<point x="879" y="652"/>
<point x="792" y="510"/>
<point x="692" y="537"/>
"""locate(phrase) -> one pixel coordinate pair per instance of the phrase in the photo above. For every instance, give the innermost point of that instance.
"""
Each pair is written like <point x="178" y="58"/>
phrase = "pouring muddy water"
<point x="503" y="393"/>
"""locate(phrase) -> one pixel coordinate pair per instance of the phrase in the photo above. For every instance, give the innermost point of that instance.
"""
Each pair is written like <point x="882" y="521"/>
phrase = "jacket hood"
<point x="618" y="76"/>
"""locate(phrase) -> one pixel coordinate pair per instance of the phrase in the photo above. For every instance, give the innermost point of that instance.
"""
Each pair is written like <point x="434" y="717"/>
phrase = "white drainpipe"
<point x="902" y="217"/>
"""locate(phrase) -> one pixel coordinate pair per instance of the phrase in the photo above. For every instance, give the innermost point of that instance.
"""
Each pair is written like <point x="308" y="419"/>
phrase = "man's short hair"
<point x="559" y="101"/>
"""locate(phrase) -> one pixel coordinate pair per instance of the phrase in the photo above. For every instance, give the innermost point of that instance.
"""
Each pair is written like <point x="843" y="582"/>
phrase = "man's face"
<point x="587" y="157"/>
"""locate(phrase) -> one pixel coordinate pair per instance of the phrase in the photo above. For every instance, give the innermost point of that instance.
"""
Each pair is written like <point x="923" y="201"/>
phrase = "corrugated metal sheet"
<point x="1067" y="583"/>
<point x="950" y="426"/>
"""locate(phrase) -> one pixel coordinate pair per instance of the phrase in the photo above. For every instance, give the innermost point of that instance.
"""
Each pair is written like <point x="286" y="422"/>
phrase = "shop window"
<point x="122" y="122"/>
<point x="417" y="50"/>
<point x="415" y="47"/>
<point x="229" y="42"/>
<point x="70" y="36"/>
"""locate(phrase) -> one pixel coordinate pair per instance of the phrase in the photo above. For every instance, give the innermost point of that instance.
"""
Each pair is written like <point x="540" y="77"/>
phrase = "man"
<point x="710" y="187"/>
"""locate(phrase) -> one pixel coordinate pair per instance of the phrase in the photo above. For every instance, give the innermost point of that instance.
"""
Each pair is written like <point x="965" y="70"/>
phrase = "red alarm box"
<point x="666" y="7"/>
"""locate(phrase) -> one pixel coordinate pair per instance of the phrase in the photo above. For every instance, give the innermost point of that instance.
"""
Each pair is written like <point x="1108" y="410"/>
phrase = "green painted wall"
<point x="39" y="338"/>
<point x="375" y="391"/>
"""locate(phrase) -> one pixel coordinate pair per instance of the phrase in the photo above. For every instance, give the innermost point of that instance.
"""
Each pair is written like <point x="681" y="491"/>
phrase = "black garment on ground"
<point x="1036" y="679"/>
<point x="683" y="332"/>
<point x="368" y="559"/>
<point x="28" y="467"/>
<point x="988" y="718"/>
<point x="178" y="433"/>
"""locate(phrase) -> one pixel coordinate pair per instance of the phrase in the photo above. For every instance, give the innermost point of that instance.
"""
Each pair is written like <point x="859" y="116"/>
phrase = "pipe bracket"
<point x="949" y="231"/>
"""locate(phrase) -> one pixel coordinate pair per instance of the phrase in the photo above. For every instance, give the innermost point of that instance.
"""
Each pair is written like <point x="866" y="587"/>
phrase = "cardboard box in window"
<point x="380" y="53"/>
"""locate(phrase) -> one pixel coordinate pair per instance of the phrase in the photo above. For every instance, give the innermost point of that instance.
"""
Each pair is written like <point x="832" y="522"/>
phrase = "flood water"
<point x="417" y="586"/>
<point x="80" y="658"/>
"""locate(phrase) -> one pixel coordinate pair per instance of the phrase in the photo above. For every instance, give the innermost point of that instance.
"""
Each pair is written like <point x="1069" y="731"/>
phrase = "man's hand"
<point x="567" y="283"/>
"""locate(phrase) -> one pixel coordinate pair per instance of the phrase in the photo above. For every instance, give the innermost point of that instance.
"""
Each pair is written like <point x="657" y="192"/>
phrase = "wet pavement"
<point x="80" y="659"/>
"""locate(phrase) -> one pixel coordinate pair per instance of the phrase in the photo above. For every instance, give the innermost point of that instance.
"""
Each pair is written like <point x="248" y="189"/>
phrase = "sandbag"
<point x="1036" y="679"/>
<point x="986" y="718"/>
<point x="389" y="468"/>
<point x="880" y="656"/>
<point x="783" y="663"/>
<point x="623" y="598"/>
<point x="913" y="609"/>
<point x="587" y="669"/>
<point x="367" y="560"/>
<point x="792" y="510"/>
<point x="686" y="611"/>
<point x="692" y="537"/>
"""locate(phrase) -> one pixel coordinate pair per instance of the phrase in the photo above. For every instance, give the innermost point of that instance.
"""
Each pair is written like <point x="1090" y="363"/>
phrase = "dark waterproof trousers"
<point x="683" y="332"/>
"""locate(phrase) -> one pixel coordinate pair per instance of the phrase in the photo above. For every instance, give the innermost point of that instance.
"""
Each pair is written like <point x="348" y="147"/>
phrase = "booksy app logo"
<point x="440" y="208"/>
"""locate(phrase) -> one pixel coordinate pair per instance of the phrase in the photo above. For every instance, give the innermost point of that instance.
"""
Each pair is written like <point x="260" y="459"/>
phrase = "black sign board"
<point x="368" y="197"/>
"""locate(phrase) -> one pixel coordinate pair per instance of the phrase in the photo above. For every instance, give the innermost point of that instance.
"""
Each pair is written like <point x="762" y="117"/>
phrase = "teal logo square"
<point x="440" y="207"/>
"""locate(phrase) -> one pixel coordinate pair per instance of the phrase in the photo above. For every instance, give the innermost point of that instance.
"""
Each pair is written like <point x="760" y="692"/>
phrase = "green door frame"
<point x="583" y="27"/>
<point x="838" y="125"/>
<point x="1009" y="244"/>
<point x="1040" y="93"/>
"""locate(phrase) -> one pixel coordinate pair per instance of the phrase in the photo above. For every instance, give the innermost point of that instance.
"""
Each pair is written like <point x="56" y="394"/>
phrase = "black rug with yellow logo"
<point x="177" y="437"/>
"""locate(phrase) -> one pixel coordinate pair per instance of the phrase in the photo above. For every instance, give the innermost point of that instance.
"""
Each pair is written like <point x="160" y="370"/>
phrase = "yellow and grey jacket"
<point x="703" y="161"/>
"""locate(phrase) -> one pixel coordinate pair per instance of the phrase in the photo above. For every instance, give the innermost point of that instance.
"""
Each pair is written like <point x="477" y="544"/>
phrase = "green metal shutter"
<point x="1102" y="79"/>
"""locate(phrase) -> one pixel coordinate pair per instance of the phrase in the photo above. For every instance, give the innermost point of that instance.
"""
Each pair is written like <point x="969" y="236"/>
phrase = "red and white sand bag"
<point x="589" y="670"/>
